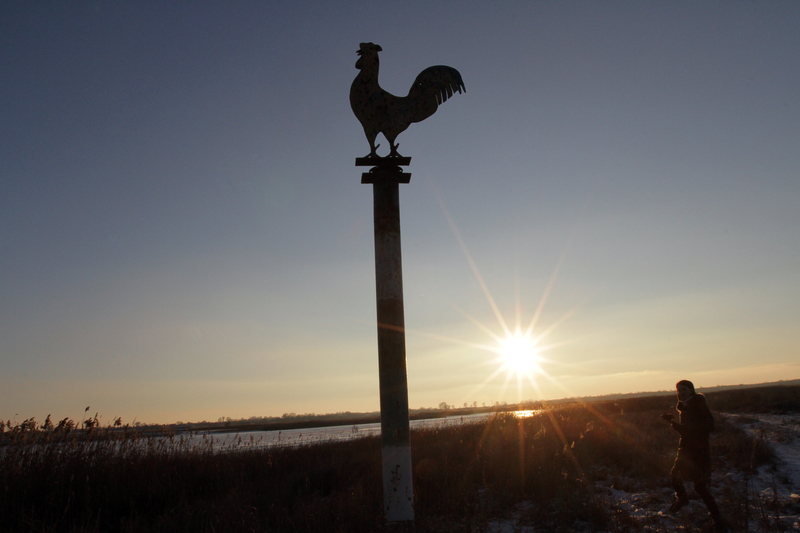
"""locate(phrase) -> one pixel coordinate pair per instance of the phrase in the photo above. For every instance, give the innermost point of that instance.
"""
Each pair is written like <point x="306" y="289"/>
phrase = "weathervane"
<point x="381" y="112"/>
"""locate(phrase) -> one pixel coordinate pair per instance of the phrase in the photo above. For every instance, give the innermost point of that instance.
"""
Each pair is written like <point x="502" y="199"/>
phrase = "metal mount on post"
<point x="384" y="169"/>
<point x="398" y="491"/>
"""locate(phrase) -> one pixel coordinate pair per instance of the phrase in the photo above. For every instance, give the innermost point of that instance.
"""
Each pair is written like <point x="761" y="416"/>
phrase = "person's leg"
<point x="701" y="486"/>
<point x="681" y="498"/>
<point x="702" y="481"/>
<point x="677" y="484"/>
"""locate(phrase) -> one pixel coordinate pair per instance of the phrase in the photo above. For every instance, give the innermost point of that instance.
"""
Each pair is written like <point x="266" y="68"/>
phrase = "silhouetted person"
<point x="693" y="462"/>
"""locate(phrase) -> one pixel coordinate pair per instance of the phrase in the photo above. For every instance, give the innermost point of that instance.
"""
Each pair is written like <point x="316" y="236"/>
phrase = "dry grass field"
<point x="566" y="469"/>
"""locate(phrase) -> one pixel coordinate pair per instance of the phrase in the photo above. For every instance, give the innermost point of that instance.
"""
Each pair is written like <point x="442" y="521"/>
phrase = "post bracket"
<point x="384" y="169"/>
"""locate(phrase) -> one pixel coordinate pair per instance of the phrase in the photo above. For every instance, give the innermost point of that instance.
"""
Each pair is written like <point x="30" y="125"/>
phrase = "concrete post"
<point x="398" y="493"/>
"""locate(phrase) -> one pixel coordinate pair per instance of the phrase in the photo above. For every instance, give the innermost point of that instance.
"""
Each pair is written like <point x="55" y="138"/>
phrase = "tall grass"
<point x="544" y="469"/>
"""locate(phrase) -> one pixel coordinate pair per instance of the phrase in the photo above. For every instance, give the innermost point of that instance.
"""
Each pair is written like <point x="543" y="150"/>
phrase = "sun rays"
<point x="519" y="353"/>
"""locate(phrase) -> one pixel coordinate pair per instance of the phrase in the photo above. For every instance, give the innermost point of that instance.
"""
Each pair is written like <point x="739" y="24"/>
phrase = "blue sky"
<point x="183" y="234"/>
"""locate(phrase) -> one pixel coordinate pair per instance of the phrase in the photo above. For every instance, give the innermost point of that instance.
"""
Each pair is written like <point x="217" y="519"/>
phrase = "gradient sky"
<point x="184" y="236"/>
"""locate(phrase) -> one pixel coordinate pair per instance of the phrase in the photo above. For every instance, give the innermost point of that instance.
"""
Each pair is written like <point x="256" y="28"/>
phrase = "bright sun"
<point x="519" y="354"/>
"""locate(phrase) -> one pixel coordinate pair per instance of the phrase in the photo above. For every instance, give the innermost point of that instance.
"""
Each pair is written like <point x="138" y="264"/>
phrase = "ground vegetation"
<point x="568" y="468"/>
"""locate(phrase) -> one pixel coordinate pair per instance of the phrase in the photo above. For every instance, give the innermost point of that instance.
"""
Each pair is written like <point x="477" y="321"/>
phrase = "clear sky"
<point x="184" y="235"/>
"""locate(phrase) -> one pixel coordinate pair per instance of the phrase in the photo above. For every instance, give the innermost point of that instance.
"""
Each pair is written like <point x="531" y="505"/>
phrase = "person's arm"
<point x="669" y="417"/>
<point x="696" y="421"/>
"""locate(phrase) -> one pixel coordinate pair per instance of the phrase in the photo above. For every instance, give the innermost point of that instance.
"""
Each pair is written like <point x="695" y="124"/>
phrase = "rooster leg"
<point x="373" y="154"/>
<point x="393" y="152"/>
<point x="371" y="137"/>
<point x="373" y="148"/>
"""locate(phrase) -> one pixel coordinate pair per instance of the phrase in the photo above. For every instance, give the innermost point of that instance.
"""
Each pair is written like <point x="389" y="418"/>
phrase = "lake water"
<point x="298" y="437"/>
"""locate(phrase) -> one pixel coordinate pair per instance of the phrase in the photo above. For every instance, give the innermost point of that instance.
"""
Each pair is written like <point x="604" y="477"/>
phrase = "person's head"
<point x="685" y="389"/>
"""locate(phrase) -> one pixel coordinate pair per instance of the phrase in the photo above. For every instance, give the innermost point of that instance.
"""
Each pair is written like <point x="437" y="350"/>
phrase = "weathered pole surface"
<point x="398" y="492"/>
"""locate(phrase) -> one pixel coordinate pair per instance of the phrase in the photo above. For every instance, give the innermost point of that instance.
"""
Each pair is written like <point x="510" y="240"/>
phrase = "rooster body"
<point x="381" y="112"/>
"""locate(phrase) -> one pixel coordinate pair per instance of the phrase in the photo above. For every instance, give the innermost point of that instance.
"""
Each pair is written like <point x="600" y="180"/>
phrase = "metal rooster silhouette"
<point x="381" y="112"/>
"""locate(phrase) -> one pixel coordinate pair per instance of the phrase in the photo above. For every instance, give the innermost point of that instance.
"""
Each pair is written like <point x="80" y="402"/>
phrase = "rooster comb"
<point x="365" y="48"/>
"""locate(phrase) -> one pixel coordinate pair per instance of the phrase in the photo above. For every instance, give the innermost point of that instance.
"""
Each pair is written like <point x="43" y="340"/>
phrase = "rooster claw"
<point x="373" y="154"/>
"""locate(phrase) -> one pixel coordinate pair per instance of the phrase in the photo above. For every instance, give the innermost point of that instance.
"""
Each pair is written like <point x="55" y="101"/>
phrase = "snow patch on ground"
<point x="511" y="524"/>
<point x="777" y="486"/>
<point x="783" y="434"/>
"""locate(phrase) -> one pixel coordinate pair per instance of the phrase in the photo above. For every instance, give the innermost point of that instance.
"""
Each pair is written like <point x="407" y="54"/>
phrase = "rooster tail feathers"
<point x="440" y="81"/>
